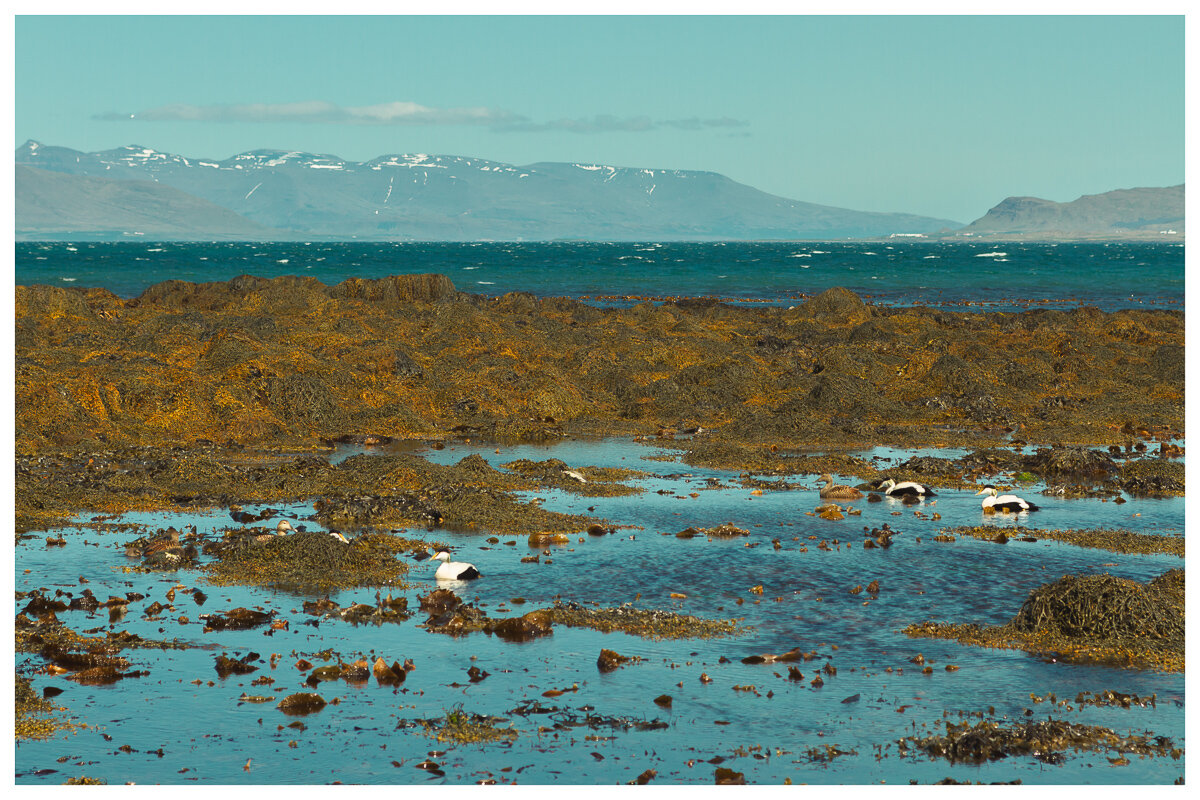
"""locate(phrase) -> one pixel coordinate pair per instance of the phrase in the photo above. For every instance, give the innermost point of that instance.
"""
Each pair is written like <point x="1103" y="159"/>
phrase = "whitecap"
<point x="487" y="283"/>
<point x="997" y="254"/>
<point x="282" y="261"/>
<point x="67" y="280"/>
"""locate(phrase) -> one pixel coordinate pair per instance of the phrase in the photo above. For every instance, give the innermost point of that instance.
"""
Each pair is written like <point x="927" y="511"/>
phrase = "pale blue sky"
<point x="943" y="116"/>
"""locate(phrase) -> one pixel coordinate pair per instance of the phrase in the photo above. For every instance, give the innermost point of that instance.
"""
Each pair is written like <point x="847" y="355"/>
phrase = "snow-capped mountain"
<point x="441" y="197"/>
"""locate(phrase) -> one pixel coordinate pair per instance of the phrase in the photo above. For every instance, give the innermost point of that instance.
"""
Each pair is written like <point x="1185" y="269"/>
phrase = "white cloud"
<point x="317" y="111"/>
<point x="406" y="113"/>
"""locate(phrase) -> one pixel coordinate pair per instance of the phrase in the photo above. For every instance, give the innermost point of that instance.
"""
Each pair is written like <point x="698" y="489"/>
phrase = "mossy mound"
<point x="1153" y="477"/>
<point x="310" y="559"/>
<point x="1102" y="607"/>
<point x="1092" y="618"/>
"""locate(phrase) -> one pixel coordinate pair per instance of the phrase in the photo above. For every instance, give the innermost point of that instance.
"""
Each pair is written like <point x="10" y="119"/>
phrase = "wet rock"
<point x="386" y="675"/>
<point x="439" y="601"/>
<point x="663" y="700"/>
<point x="236" y="619"/>
<point x="301" y="703"/>
<point x="227" y="666"/>
<point x="532" y="625"/>
<point x="727" y="777"/>
<point x="771" y="658"/>
<point x="610" y="660"/>
<point x="644" y="778"/>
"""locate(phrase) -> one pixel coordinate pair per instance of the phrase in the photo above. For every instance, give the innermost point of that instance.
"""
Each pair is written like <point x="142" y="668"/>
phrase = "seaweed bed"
<point x="1116" y="541"/>
<point x="1045" y="740"/>
<point x="1089" y="618"/>
<point x="291" y="362"/>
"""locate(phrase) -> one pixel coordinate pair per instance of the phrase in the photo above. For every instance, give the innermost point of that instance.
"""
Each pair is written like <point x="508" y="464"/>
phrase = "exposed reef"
<point x="290" y="361"/>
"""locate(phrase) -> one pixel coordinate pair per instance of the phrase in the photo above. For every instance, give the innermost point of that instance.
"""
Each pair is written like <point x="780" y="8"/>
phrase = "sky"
<point x="934" y="115"/>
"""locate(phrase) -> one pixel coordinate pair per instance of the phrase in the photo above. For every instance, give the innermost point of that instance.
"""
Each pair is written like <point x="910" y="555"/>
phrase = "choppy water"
<point x="207" y="736"/>
<point x="988" y="275"/>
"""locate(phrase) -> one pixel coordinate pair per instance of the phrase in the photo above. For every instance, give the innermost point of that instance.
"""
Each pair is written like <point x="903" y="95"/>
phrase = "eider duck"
<point x="338" y="535"/>
<point x="453" y="570"/>
<point x="284" y="528"/>
<point x="837" y="491"/>
<point x="1004" y="502"/>
<point x="893" y="489"/>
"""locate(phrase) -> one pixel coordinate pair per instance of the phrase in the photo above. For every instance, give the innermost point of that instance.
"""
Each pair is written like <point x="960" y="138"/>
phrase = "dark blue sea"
<point x="990" y="275"/>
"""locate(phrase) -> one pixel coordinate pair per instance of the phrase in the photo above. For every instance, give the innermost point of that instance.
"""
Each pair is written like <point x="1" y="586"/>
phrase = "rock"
<point x="388" y="675"/>
<point x="301" y="703"/>
<point x="727" y="777"/>
<point x="521" y="629"/>
<point x="227" y="666"/>
<point x="663" y="700"/>
<point x="610" y="660"/>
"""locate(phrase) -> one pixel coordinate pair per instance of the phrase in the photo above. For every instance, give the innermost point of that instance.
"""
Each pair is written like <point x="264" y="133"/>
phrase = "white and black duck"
<point x="1003" y="502"/>
<point x="453" y="570"/>
<point x="905" y="489"/>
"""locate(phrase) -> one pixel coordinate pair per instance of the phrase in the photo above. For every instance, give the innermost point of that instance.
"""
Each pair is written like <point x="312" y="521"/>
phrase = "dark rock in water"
<point x="771" y="658"/>
<point x="393" y="675"/>
<point x="644" y="778"/>
<point x="610" y="660"/>
<point x="727" y="777"/>
<point x="521" y="629"/>
<point x="227" y="666"/>
<point x="439" y="601"/>
<point x="236" y="619"/>
<point x="663" y="700"/>
<point x="301" y="703"/>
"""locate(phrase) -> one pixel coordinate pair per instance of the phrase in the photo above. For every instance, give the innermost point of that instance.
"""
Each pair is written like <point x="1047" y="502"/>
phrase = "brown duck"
<point x="837" y="491"/>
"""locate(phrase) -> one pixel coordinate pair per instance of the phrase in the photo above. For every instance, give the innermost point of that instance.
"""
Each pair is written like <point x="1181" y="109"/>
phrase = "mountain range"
<point x="63" y="193"/>
<point x="1132" y="211"/>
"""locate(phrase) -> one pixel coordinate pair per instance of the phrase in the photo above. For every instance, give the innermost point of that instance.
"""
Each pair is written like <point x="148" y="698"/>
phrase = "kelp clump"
<point x="310" y="559"/>
<point x="1089" y="618"/>
<point x="1045" y="740"/>
<point x="464" y="727"/>
<point x="32" y="715"/>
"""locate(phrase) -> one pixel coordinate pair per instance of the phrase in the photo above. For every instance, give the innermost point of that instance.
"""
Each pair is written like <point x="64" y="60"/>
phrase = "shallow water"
<point x="208" y="736"/>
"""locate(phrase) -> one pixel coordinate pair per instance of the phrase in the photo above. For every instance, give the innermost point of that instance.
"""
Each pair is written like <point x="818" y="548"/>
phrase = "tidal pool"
<point x="183" y="724"/>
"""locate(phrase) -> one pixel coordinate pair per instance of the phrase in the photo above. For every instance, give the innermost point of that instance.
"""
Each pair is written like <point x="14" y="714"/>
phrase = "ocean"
<point x="989" y="275"/>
